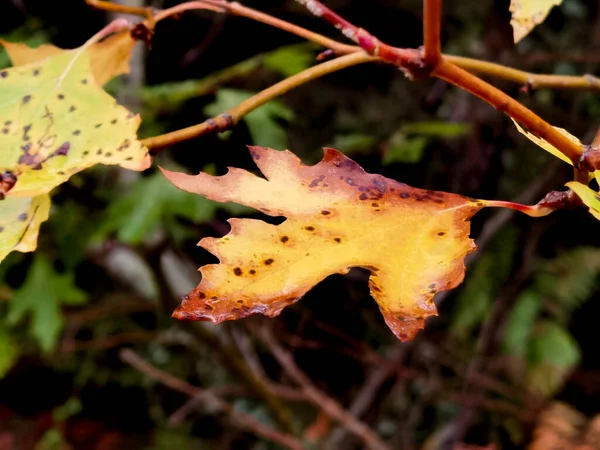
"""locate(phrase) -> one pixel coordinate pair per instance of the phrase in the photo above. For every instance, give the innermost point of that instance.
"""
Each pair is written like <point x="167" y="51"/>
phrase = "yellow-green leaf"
<point x="20" y="220"/>
<point x="526" y="14"/>
<point x="338" y="216"/>
<point x="109" y="58"/>
<point x="589" y="197"/>
<point x="546" y="145"/>
<point x="56" y="121"/>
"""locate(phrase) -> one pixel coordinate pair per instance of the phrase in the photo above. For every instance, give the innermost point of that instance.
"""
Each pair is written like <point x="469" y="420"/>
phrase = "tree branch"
<point x="243" y="420"/>
<point x="410" y="60"/>
<point x="527" y="79"/>
<point x="230" y="118"/>
<point x="512" y="108"/>
<point x="532" y="80"/>
<point x="432" y="12"/>
<point x="331" y="407"/>
<point x="445" y="70"/>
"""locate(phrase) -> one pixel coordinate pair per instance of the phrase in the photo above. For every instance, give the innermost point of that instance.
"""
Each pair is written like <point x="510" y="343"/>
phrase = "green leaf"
<point x="290" y="60"/>
<point x="405" y="150"/>
<point x="569" y="279"/>
<point x="353" y="142"/>
<point x="152" y="202"/>
<point x="263" y="123"/>
<point x="520" y="323"/>
<point x="552" y="354"/>
<point x="40" y="297"/>
<point x="475" y="299"/>
<point x="9" y="351"/>
<point x="437" y="129"/>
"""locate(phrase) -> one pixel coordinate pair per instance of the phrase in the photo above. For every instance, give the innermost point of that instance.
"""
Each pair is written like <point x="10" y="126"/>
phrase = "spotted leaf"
<point x="55" y="121"/>
<point x="20" y="220"/>
<point x="412" y="241"/>
<point x="109" y="58"/>
<point x="526" y="14"/>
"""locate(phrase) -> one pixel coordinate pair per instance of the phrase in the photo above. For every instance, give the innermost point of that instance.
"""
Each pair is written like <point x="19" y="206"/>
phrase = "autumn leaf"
<point x="56" y="121"/>
<point x="589" y="197"/>
<point x="109" y="58"/>
<point x="412" y="241"/>
<point x="553" y="150"/>
<point x="20" y="220"/>
<point x="526" y="14"/>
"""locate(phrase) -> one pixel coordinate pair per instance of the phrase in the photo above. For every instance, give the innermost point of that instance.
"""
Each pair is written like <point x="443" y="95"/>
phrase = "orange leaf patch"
<point x="412" y="241"/>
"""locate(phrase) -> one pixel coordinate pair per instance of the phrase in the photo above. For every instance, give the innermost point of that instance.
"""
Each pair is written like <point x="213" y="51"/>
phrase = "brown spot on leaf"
<point x="237" y="271"/>
<point x="404" y="195"/>
<point x="72" y="108"/>
<point x="26" y="99"/>
<point x="60" y="96"/>
<point x="309" y="228"/>
<point x="337" y="239"/>
<point x="284" y="239"/>
<point x="325" y="212"/>
<point x="363" y="196"/>
<point x="269" y="261"/>
<point x="442" y="233"/>
<point x="76" y="132"/>
<point x="113" y="121"/>
<point x="252" y="272"/>
<point x="22" y="217"/>
<point x="4" y="74"/>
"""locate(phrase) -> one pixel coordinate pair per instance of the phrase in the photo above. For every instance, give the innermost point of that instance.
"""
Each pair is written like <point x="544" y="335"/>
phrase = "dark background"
<point x="512" y="345"/>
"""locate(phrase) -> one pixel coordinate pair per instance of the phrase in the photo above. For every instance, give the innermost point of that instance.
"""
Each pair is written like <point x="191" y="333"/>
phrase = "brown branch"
<point x="502" y="102"/>
<point x="410" y="60"/>
<point x="230" y="118"/>
<point x="241" y="419"/>
<point x="331" y="407"/>
<point x="368" y="393"/>
<point x="447" y="71"/>
<point x="432" y="12"/>
<point x="528" y="79"/>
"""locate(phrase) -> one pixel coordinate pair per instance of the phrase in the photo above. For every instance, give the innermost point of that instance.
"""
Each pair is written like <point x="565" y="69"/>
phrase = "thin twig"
<point x="243" y="420"/>
<point x="230" y="118"/>
<point x="412" y="63"/>
<point x="432" y="12"/>
<point x="367" y="394"/>
<point x="330" y="406"/>
<point x="527" y="79"/>
<point x="502" y="102"/>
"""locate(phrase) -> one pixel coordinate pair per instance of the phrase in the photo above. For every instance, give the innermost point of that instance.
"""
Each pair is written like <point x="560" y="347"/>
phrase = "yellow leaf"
<point x="109" y="58"/>
<point x="20" y="220"/>
<point x="526" y="14"/>
<point x="547" y="146"/>
<point x="56" y="121"/>
<point x="553" y="150"/>
<point x="590" y="198"/>
<point x="338" y="216"/>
